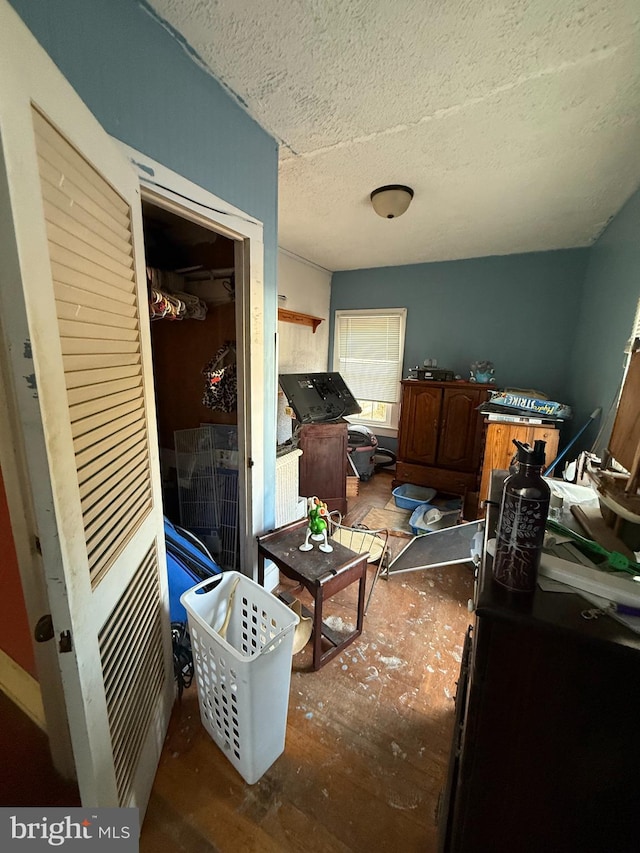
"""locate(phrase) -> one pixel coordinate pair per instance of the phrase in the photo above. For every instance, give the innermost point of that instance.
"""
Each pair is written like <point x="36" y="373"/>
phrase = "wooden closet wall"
<point x="181" y="348"/>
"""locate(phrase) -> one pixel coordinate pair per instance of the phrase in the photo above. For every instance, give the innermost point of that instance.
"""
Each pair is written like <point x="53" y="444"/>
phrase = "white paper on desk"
<point x="549" y="585"/>
<point x="611" y="586"/>
<point x="573" y="494"/>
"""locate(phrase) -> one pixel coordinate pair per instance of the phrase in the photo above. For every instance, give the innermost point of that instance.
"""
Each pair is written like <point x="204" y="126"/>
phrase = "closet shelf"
<point x="295" y="317"/>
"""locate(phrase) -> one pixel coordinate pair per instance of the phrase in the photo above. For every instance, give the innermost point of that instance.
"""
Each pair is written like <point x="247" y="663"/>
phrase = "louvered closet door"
<point x="90" y="245"/>
<point x="76" y="339"/>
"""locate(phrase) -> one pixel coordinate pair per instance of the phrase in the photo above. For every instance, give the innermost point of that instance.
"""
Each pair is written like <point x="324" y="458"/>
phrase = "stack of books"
<point x="517" y="407"/>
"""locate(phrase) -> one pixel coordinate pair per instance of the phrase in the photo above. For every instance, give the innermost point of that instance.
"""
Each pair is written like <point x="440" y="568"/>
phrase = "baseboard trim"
<point x="23" y="689"/>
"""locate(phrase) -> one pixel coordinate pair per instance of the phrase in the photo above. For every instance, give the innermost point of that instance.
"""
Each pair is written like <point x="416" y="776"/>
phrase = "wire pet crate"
<point x="225" y="439"/>
<point x="227" y="485"/>
<point x="207" y="469"/>
<point x="197" y="482"/>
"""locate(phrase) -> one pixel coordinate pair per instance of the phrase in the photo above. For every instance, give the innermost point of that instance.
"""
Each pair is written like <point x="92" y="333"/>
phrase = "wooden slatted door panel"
<point x="92" y="263"/>
<point x="133" y="681"/>
<point x="83" y="449"/>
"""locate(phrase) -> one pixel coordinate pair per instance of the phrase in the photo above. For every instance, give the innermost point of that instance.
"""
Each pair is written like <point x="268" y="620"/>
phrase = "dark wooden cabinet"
<point x="440" y="434"/>
<point x="546" y="744"/>
<point x="461" y="425"/>
<point x="323" y="464"/>
<point x="420" y="407"/>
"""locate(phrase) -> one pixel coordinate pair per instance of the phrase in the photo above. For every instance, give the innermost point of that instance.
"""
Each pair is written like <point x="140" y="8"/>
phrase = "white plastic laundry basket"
<point x="243" y="678"/>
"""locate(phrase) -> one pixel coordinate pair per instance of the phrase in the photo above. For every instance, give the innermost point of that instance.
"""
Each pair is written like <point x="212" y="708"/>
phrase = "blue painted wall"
<point x="556" y="321"/>
<point x="607" y="312"/>
<point x="518" y="311"/>
<point x="146" y="90"/>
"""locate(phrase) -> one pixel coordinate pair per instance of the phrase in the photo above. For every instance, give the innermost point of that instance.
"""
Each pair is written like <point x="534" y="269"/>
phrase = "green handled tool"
<point x="614" y="559"/>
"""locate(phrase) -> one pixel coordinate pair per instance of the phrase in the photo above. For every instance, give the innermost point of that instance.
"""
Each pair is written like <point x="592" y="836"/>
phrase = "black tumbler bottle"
<point x="521" y="525"/>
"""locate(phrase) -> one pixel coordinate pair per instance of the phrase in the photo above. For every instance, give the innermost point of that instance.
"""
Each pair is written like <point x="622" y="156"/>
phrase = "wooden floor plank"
<point x="368" y="735"/>
<point x="367" y="745"/>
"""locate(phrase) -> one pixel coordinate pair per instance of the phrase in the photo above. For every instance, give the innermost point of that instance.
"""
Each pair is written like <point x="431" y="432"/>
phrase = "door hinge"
<point x="65" y="644"/>
<point x="37" y="544"/>
<point x="249" y="463"/>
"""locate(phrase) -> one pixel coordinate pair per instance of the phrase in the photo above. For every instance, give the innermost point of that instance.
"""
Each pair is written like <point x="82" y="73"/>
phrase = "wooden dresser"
<point x="546" y="743"/>
<point x="499" y="449"/>
<point x="440" y="435"/>
<point x="323" y="464"/>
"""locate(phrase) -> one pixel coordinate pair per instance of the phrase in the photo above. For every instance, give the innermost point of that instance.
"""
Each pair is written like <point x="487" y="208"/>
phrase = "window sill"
<point x="377" y="429"/>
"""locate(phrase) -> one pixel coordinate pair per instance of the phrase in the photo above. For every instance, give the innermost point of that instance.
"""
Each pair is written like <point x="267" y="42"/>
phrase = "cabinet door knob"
<point x="44" y="629"/>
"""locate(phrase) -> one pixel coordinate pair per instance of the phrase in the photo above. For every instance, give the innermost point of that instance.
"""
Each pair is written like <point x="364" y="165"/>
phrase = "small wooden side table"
<point x="323" y="575"/>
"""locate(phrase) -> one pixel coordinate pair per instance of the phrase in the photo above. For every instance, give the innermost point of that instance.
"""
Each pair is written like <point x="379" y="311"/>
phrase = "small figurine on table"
<point x="317" y="514"/>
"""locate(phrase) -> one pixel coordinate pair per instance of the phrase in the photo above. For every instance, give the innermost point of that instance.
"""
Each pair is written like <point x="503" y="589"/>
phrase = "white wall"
<point x="308" y="291"/>
<point x="300" y="350"/>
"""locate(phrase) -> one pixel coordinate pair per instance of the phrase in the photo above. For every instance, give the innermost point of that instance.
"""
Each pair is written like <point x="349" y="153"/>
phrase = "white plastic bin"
<point x="243" y="679"/>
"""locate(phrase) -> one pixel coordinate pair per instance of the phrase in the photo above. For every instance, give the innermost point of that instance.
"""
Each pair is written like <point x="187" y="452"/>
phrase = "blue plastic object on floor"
<point x="188" y="563"/>
<point x="408" y="496"/>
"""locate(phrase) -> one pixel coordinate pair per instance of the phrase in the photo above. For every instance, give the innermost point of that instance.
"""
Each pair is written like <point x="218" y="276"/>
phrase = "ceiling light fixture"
<point x="391" y="201"/>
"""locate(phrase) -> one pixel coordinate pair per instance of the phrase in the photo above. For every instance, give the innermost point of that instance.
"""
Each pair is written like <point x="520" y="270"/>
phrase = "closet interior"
<point x="192" y="309"/>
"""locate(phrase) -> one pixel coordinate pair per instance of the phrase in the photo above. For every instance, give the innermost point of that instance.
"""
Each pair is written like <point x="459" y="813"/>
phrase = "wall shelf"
<point x="302" y="319"/>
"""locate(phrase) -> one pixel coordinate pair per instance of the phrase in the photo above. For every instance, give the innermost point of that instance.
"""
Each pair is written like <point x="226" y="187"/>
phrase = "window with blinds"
<point x="368" y="353"/>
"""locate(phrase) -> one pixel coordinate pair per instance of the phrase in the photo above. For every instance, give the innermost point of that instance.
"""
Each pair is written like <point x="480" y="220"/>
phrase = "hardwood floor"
<point x="28" y="777"/>
<point x="367" y="743"/>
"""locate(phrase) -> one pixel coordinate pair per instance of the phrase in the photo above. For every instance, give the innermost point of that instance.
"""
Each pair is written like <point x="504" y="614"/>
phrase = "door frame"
<point x="189" y="201"/>
<point x="171" y="191"/>
<point x="36" y="450"/>
<point x="168" y="189"/>
<point x="34" y="589"/>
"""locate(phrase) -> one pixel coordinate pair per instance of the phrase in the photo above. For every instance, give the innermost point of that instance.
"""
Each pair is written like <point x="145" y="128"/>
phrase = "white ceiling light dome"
<point x="392" y="200"/>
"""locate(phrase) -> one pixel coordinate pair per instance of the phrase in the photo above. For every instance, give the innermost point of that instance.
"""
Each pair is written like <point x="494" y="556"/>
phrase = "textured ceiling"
<point x="516" y="122"/>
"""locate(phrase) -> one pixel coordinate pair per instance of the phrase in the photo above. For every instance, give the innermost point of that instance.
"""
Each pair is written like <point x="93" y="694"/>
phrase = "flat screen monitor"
<point x="318" y="397"/>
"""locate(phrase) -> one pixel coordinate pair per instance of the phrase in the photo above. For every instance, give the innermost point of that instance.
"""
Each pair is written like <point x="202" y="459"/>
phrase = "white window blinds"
<point x="368" y="351"/>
